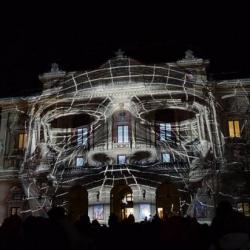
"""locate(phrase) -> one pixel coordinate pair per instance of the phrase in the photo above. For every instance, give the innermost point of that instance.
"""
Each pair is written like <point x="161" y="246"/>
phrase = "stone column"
<point x="198" y="126"/>
<point x="4" y="187"/>
<point x="202" y="128"/>
<point x="3" y="134"/>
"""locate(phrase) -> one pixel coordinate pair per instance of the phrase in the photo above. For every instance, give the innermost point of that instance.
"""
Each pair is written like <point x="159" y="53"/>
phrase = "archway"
<point x="78" y="202"/>
<point x="167" y="200"/>
<point x="121" y="201"/>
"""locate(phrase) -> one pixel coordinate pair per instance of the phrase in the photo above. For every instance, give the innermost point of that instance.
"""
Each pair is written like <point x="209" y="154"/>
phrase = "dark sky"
<point x="83" y="37"/>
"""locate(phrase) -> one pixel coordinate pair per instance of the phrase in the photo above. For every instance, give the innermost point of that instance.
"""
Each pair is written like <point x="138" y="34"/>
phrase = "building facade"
<point x="127" y="138"/>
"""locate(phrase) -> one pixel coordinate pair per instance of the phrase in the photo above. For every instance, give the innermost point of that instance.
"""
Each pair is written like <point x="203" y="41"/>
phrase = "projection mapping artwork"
<point x="124" y="121"/>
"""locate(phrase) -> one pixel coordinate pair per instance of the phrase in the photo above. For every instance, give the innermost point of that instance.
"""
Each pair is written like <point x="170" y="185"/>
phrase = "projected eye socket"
<point x="72" y="121"/>
<point x="101" y="157"/>
<point x="140" y="157"/>
<point x="169" y="115"/>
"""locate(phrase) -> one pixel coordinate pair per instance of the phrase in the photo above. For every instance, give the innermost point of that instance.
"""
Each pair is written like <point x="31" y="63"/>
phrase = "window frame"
<point x="118" y="161"/>
<point x="124" y="136"/>
<point x="165" y="130"/>
<point x="82" y="136"/>
<point x="162" y="157"/>
<point x="15" y="210"/>
<point x="83" y="162"/>
<point x="243" y="207"/>
<point x="234" y="128"/>
<point x="121" y="127"/>
<point x="22" y="140"/>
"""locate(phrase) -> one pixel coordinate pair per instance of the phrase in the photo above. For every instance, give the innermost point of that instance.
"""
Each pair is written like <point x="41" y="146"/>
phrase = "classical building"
<point x="127" y="138"/>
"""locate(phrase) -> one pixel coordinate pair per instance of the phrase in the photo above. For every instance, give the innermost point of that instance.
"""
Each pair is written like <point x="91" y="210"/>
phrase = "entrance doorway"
<point x="121" y="201"/>
<point x="78" y="202"/>
<point x="167" y="200"/>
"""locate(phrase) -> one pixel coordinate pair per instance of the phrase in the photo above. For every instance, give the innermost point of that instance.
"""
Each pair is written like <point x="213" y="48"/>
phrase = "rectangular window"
<point x="82" y="136"/>
<point x="165" y="131"/>
<point x="200" y="210"/>
<point x="22" y="140"/>
<point x="122" y="134"/>
<point x="234" y="128"/>
<point x="160" y="212"/>
<point x="15" y="210"/>
<point x="246" y="209"/>
<point x="79" y="161"/>
<point x="145" y="211"/>
<point x="243" y="207"/>
<point x="166" y="157"/>
<point x="240" y="207"/>
<point x="98" y="212"/>
<point x="121" y="159"/>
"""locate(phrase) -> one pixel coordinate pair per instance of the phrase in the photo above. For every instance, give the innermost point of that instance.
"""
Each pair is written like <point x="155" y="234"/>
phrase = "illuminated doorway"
<point x="167" y="200"/>
<point x="121" y="201"/>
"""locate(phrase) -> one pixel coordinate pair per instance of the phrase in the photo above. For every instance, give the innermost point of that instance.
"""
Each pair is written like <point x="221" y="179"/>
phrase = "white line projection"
<point x="195" y="144"/>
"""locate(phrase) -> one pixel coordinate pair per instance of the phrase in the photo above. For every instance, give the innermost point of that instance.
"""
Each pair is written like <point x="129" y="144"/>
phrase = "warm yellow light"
<point x="237" y="128"/>
<point x="129" y="211"/>
<point x="160" y="212"/>
<point x="234" y="128"/>
<point x="231" y="128"/>
<point x="22" y="141"/>
<point x="246" y="209"/>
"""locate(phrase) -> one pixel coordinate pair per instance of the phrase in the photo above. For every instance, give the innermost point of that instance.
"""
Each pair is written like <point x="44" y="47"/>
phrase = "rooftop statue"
<point x="54" y="67"/>
<point x="119" y="53"/>
<point x="189" y="54"/>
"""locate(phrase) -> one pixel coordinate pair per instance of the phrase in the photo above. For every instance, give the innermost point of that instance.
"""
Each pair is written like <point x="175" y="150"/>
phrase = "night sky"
<point x="83" y="37"/>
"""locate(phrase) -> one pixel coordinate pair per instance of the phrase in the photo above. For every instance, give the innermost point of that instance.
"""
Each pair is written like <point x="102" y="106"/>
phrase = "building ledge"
<point x="8" y="174"/>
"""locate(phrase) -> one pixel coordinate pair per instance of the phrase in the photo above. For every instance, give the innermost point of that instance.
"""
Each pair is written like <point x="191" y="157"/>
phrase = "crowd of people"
<point x="229" y="230"/>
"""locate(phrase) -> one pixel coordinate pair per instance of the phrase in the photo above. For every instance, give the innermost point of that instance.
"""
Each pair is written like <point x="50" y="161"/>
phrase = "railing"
<point x="174" y="165"/>
<point x="169" y="167"/>
<point x="12" y="162"/>
<point x="235" y="140"/>
<point x="8" y="173"/>
<point x="76" y="170"/>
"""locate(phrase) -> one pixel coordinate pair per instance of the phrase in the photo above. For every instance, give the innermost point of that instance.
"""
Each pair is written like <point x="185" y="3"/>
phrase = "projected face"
<point x="87" y="123"/>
